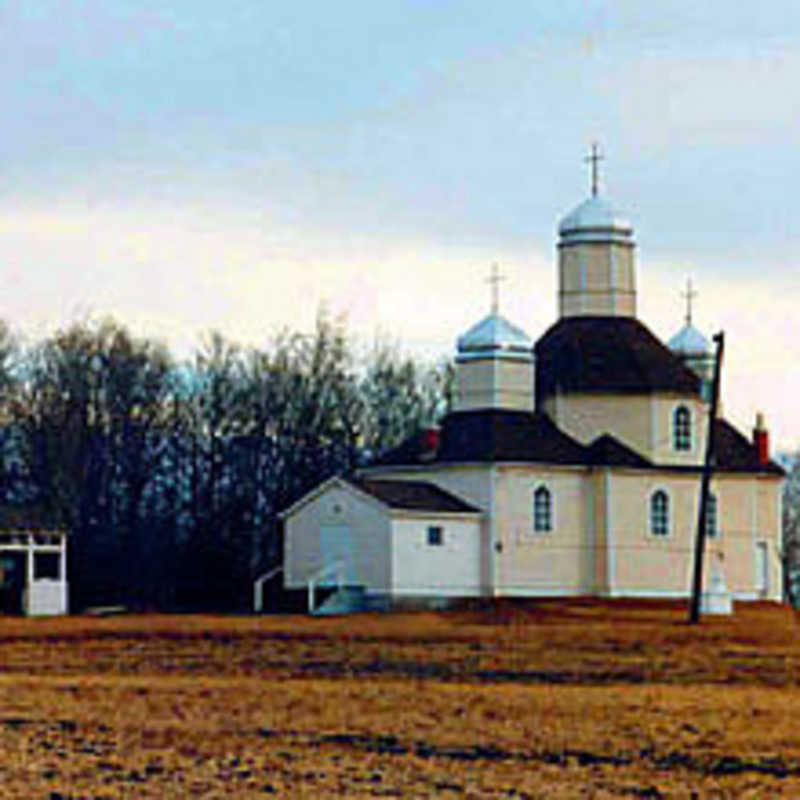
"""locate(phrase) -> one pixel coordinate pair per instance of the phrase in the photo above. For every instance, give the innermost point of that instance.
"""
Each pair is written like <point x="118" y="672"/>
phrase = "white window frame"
<point x="681" y="437"/>
<point x="660" y="534"/>
<point x="535" y="529"/>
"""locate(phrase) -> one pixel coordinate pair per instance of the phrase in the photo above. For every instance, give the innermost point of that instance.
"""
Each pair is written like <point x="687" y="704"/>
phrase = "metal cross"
<point x="689" y="294"/>
<point x="594" y="158"/>
<point x="494" y="279"/>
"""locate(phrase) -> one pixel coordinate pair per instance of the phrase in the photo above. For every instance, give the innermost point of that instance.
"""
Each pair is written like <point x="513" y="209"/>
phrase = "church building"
<point x="567" y="467"/>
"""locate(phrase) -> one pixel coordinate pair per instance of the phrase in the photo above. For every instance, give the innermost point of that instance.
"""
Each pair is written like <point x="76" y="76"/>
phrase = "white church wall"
<point x="541" y="563"/>
<point x="449" y="568"/>
<point x="645" y="564"/>
<point x="587" y="416"/>
<point x="367" y="525"/>
<point x="749" y="518"/>
<point x="601" y="541"/>
<point x="598" y="535"/>
<point x="642" y="422"/>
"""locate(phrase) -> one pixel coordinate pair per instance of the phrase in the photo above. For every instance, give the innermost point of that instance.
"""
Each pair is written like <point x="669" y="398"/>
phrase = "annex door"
<point x="762" y="569"/>
<point x="336" y="547"/>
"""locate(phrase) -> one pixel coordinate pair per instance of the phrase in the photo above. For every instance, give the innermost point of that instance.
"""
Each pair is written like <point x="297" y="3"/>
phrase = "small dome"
<point x="595" y="220"/>
<point x="494" y="336"/>
<point x="689" y="341"/>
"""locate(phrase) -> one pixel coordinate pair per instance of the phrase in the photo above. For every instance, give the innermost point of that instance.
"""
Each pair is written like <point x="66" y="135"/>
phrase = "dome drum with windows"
<point x="597" y="275"/>
<point x="494" y="362"/>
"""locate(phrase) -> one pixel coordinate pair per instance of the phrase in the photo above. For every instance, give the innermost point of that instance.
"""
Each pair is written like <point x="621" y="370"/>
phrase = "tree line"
<point x="169" y="475"/>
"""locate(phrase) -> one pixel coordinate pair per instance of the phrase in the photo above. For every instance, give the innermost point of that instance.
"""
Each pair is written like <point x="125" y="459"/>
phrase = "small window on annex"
<point x="659" y="513"/>
<point x="682" y="429"/>
<point x="711" y="516"/>
<point x="435" y="536"/>
<point x="542" y="510"/>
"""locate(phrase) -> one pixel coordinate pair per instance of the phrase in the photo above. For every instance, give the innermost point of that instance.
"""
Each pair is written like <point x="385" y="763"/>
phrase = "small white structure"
<point x="716" y="599"/>
<point x="391" y="539"/>
<point x="33" y="568"/>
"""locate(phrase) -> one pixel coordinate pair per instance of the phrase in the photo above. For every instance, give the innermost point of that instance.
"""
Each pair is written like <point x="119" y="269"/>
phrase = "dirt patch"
<point x="547" y="701"/>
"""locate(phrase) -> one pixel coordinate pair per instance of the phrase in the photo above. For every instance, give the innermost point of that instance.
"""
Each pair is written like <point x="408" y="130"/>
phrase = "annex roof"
<point x="609" y="355"/>
<point x="413" y="496"/>
<point x="397" y="495"/>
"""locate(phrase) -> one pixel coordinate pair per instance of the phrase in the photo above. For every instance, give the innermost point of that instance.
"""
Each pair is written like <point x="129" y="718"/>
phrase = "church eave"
<point x="596" y="235"/>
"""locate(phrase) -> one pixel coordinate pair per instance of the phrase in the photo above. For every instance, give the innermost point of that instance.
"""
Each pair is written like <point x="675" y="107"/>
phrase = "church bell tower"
<point x="596" y="268"/>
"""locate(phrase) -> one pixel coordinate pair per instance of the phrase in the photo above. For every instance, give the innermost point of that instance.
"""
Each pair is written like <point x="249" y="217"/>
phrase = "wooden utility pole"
<point x="708" y="468"/>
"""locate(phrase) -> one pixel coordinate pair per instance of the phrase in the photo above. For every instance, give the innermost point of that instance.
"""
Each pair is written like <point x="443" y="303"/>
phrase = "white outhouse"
<point x="33" y="563"/>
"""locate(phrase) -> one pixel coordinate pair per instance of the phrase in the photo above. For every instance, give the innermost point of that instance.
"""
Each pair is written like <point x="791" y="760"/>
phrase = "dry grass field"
<point x="544" y="700"/>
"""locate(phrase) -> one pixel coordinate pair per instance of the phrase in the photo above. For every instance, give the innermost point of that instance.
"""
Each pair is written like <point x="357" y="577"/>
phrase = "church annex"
<point x="566" y="467"/>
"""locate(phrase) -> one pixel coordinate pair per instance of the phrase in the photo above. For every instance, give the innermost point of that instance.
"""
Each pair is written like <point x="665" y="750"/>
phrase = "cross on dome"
<point x="595" y="157"/>
<point x="689" y="294"/>
<point x="495" y="277"/>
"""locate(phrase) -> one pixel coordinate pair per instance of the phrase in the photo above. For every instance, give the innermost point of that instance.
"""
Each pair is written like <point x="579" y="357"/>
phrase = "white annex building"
<point x="566" y="467"/>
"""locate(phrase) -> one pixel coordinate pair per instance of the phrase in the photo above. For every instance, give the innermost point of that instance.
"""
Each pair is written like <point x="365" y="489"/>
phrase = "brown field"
<point x="542" y="700"/>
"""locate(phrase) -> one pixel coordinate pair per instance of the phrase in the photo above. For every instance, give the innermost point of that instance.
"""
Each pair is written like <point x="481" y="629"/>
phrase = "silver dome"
<point x="595" y="220"/>
<point x="494" y="336"/>
<point x="689" y="341"/>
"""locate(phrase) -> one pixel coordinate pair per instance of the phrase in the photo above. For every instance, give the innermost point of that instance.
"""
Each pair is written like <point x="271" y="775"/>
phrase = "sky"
<point x="189" y="165"/>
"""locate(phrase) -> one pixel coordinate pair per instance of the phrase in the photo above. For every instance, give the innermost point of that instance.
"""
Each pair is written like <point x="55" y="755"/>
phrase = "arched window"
<point x="711" y="516"/>
<point x="542" y="510"/>
<point x="682" y="429"/>
<point x="659" y="513"/>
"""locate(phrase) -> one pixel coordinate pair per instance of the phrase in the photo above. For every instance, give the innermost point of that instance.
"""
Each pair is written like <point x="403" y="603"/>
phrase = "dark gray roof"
<point x="736" y="453"/>
<point x="607" y="354"/>
<point x="608" y="451"/>
<point x="413" y="495"/>
<point x="492" y="435"/>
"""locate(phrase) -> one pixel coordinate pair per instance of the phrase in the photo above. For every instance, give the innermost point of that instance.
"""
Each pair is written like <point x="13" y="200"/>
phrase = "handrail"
<point x="258" y="587"/>
<point x="336" y="566"/>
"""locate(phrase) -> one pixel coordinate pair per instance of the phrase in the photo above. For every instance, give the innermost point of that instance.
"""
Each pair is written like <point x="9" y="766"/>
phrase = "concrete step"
<point x="346" y="600"/>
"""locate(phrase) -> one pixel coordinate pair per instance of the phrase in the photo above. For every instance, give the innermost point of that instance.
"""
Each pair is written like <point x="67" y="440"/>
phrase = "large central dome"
<point x="596" y="262"/>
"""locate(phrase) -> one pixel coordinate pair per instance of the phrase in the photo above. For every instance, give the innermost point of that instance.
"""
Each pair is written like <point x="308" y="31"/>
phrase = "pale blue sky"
<point x="186" y="165"/>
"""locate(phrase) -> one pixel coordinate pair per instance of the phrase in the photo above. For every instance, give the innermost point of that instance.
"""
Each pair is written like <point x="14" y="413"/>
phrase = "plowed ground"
<point x="544" y="700"/>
